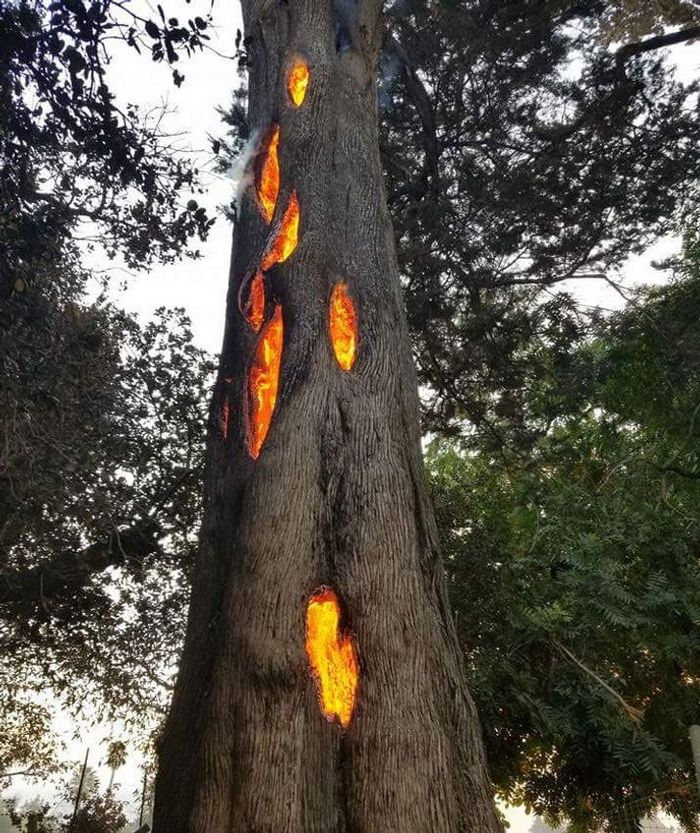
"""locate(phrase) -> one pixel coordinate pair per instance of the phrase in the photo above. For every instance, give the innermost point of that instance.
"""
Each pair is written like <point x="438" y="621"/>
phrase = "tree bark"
<point x="336" y="498"/>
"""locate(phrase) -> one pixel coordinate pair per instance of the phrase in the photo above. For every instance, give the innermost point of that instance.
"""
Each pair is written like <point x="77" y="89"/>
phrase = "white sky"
<point x="197" y="285"/>
<point x="200" y="286"/>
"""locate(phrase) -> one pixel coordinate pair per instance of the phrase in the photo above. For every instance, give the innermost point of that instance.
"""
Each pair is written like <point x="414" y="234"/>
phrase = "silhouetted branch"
<point x="657" y="42"/>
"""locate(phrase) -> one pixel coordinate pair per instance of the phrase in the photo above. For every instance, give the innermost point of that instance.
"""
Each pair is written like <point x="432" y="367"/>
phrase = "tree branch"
<point x="421" y="99"/>
<point x="632" y="712"/>
<point x="71" y="571"/>
<point x="657" y="42"/>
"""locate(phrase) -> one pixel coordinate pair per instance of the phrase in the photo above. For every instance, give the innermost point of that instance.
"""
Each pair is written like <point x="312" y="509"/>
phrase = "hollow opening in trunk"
<point x="343" y="326"/>
<point x="332" y="657"/>
<point x="267" y="183"/>
<point x="263" y="379"/>
<point x="287" y="237"/>
<point x="298" y="81"/>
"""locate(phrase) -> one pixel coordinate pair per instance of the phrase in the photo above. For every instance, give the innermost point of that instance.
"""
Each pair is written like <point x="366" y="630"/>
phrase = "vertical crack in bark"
<point x="225" y="413"/>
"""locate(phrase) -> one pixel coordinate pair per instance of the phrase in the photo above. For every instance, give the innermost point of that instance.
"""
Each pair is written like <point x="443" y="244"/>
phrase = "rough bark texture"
<point x="335" y="498"/>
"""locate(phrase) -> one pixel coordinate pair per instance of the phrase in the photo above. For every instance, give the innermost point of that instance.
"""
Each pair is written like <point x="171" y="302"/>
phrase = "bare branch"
<point x="632" y="712"/>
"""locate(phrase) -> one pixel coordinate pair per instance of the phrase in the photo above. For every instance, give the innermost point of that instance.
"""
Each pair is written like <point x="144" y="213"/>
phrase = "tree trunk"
<point x="334" y="499"/>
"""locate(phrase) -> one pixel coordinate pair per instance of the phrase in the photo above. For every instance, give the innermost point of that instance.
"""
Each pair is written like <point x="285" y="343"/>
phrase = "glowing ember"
<point x="332" y="657"/>
<point x="268" y="184"/>
<point x="343" y="324"/>
<point x="287" y="237"/>
<point x="262" y="382"/>
<point x="225" y="410"/>
<point x="297" y="81"/>
<point x="254" y="306"/>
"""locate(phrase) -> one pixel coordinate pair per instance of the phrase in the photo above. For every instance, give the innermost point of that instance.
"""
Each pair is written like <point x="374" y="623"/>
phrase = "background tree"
<point x="575" y="576"/>
<point x="99" y="504"/>
<point x="116" y="758"/>
<point x="97" y="496"/>
<point x="520" y="154"/>
<point x="97" y="813"/>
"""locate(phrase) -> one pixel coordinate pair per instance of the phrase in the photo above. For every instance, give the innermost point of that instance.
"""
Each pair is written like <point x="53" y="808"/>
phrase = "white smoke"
<point x="240" y="170"/>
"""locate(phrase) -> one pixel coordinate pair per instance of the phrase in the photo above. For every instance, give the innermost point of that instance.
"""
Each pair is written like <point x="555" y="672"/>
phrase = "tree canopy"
<point x="71" y="153"/>
<point x="521" y="152"/>
<point x="575" y="575"/>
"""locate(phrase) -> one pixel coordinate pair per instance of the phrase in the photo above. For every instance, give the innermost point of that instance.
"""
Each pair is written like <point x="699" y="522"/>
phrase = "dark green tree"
<point x="101" y="418"/>
<point x="102" y="422"/>
<point x="575" y="575"/>
<point x="520" y="153"/>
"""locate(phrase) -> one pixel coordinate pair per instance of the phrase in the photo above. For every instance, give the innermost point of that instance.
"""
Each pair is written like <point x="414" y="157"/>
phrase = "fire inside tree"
<point x="320" y="686"/>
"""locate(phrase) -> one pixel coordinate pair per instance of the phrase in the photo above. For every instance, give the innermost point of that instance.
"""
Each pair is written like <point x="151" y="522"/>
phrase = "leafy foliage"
<point x="96" y="814"/>
<point x="102" y="419"/>
<point x="575" y="575"/>
<point x="99" y="498"/>
<point x="70" y="153"/>
<point x="520" y="153"/>
<point x="633" y="19"/>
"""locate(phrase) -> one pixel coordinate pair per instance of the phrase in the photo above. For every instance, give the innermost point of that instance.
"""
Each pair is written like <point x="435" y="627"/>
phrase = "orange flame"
<point x="343" y="324"/>
<point x="263" y="379"/>
<point x="332" y="657"/>
<point x="287" y="237"/>
<point x="297" y="81"/>
<point x="268" y="184"/>
<point x="254" y="306"/>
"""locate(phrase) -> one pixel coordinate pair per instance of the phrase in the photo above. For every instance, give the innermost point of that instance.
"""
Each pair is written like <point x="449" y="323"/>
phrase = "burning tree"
<point x="321" y="685"/>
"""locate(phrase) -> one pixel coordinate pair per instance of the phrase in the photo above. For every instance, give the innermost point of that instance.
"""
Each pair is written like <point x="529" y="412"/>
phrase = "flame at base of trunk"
<point x="332" y="657"/>
<point x="263" y="379"/>
<point x="343" y="326"/>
